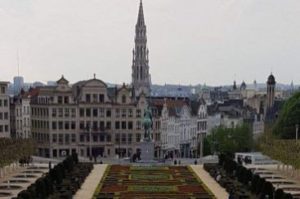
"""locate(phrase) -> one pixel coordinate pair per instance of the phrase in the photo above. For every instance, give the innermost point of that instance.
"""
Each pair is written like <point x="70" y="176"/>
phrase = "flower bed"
<point x="150" y="182"/>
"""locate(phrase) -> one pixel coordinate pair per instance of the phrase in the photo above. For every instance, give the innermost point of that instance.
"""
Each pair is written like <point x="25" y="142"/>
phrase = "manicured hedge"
<point x="62" y="181"/>
<point x="240" y="181"/>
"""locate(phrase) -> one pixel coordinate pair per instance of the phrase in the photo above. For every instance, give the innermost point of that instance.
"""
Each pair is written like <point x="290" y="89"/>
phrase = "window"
<point x="73" y="125"/>
<point x="101" y="112"/>
<point x="0" y="102"/>
<point x="95" y="112"/>
<point x="67" y="112"/>
<point x="138" y="137"/>
<point x="67" y="125"/>
<point x="108" y="125"/>
<point x="117" y="112"/>
<point x="123" y="138"/>
<point x="73" y="138"/>
<point x="129" y="112"/>
<point x="108" y="113"/>
<point x="59" y="99"/>
<point x="6" y="128"/>
<point x="102" y="127"/>
<point x="81" y="138"/>
<point x="101" y="138"/>
<point x="60" y="125"/>
<point x="54" y="138"/>
<point x="6" y="115"/>
<point x="88" y="112"/>
<point x="95" y="125"/>
<point x="95" y="98"/>
<point x="73" y="113"/>
<point x="3" y="90"/>
<point x="54" y="127"/>
<point x="108" y="138"/>
<point x="123" y="113"/>
<point x="130" y="125"/>
<point x="123" y="125"/>
<point x="129" y="138"/>
<point x="117" y="138"/>
<point x="117" y="125"/>
<point x="88" y="98"/>
<point x="60" y="112"/>
<point x="1" y="129"/>
<point x="66" y="100"/>
<point x="138" y="113"/>
<point x="67" y="138"/>
<point x="60" y="138"/>
<point x="5" y="103"/>
<point x="123" y="99"/>
<point x="81" y="125"/>
<point x="101" y="98"/>
<point x="81" y="112"/>
<point x="54" y="112"/>
<point x="95" y="138"/>
<point x="1" y="116"/>
<point x="138" y="125"/>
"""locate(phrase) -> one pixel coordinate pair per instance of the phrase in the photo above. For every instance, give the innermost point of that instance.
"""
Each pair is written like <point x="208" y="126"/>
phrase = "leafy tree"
<point x="230" y="140"/>
<point x="289" y="116"/>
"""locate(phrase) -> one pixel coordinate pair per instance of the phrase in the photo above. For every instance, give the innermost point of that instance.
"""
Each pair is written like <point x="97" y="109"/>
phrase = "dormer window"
<point x="88" y="98"/>
<point x="124" y="99"/>
<point x="101" y="98"/>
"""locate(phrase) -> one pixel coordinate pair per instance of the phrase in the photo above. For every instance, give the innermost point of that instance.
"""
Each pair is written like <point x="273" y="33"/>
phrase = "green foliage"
<point x="289" y="116"/>
<point x="229" y="140"/>
<point x="206" y="147"/>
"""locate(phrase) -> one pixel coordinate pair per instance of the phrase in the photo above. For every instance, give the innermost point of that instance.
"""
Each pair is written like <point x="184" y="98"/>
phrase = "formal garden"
<point x="151" y="182"/>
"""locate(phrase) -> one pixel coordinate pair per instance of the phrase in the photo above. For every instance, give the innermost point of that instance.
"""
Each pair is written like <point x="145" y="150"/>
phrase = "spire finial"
<point x="141" y="20"/>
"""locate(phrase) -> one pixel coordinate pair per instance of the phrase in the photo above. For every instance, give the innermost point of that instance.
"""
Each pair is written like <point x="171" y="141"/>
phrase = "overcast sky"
<point x="190" y="41"/>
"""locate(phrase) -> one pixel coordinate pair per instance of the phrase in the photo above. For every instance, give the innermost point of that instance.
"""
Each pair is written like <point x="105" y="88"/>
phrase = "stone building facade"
<point x="87" y="117"/>
<point x="4" y="110"/>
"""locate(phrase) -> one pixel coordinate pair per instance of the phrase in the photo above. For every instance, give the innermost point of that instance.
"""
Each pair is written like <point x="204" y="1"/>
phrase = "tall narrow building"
<point x="141" y="80"/>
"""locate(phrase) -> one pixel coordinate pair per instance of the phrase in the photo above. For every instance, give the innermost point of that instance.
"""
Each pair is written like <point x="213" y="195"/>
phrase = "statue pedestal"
<point x="147" y="150"/>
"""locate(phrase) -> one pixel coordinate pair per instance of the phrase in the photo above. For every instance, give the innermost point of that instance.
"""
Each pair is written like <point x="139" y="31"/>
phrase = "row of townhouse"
<point x="87" y="117"/>
<point x="93" y="119"/>
<point x="182" y="127"/>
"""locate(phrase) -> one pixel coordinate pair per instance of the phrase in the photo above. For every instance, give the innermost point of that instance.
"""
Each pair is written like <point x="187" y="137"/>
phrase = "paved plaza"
<point x="20" y="178"/>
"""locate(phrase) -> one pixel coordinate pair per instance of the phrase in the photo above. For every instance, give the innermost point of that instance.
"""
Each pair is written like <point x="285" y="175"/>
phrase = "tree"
<point x="289" y="116"/>
<point x="230" y="140"/>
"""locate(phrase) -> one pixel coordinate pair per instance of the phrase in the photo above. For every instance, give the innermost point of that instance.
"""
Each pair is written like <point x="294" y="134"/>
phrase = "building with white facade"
<point x="22" y="113"/>
<point x="183" y="128"/>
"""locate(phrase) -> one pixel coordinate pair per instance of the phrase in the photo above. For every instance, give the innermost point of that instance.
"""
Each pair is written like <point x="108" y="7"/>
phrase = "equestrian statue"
<point x="147" y="123"/>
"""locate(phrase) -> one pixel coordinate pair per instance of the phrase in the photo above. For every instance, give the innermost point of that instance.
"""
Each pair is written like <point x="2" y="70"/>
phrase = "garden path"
<point x="214" y="187"/>
<point x="90" y="184"/>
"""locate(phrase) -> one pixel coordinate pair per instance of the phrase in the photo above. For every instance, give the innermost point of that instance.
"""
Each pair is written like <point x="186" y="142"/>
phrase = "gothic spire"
<point x="141" y="80"/>
<point x="141" y="20"/>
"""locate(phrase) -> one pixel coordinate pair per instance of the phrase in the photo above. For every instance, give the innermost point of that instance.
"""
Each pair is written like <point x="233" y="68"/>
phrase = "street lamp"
<point x="90" y="135"/>
<point x="297" y="128"/>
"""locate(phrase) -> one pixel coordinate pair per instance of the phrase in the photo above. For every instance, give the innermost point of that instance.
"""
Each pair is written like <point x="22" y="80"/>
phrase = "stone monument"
<point x="147" y="144"/>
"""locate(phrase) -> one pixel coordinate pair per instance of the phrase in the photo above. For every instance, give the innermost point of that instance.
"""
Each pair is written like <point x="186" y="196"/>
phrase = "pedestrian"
<point x="50" y="166"/>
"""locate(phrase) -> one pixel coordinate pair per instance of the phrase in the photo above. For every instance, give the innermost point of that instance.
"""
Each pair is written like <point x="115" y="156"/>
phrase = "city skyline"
<point x="249" y="38"/>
